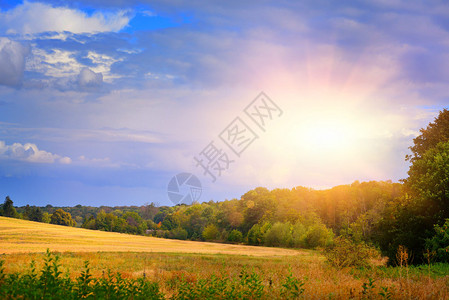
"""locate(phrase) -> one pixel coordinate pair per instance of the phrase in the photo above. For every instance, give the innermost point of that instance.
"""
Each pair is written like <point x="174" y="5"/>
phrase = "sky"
<point x="105" y="102"/>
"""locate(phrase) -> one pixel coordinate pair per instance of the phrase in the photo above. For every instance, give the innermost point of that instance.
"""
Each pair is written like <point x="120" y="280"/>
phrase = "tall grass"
<point x="199" y="276"/>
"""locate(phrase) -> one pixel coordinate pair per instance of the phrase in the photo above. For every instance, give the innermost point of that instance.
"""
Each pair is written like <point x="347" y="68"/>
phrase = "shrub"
<point x="318" y="235"/>
<point x="256" y="235"/>
<point x="343" y="252"/>
<point x="210" y="232"/>
<point x="49" y="283"/>
<point x="179" y="233"/>
<point x="279" y="235"/>
<point x="61" y="217"/>
<point x="235" y="236"/>
<point x="440" y="242"/>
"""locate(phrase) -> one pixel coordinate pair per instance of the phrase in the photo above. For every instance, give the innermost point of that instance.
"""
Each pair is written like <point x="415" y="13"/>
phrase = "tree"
<point x="210" y="232"/>
<point x="60" y="217"/>
<point x="439" y="243"/>
<point x="436" y="132"/>
<point x="46" y="218"/>
<point x="409" y="220"/>
<point x="429" y="183"/>
<point x="35" y="214"/>
<point x="235" y="236"/>
<point x="8" y="209"/>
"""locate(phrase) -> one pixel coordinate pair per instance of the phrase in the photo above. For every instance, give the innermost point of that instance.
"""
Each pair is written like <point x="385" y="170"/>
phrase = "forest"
<point x="380" y="215"/>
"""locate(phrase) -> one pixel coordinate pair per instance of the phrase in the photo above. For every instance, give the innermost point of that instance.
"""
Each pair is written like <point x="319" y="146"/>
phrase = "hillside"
<point x="18" y="236"/>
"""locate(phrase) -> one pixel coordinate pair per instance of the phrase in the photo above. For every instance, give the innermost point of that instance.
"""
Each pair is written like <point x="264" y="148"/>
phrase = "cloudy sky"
<point x="103" y="102"/>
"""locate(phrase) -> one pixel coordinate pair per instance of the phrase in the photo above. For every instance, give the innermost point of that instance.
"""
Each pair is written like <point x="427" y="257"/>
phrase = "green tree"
<point x="210" y="232"/>
<point x="409" y="220"/>
<point x="256" y="235"/>
<point x="46" y="217"/>
<point x="439" y="243"/>
<point x="235" y="236"/>
<point x="60" y="217"/>
<point x="35" y="214"/>
<point x="279" y="235"/>
<point x="436" y="132"/>
<point x="8" y="209"/>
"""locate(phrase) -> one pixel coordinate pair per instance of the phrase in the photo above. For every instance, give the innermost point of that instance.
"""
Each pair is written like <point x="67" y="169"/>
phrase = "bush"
<point x="49" y="283"/>
<point x="343" y="252"/>
<point x="299" y="232"/>
<point x="318" y="235"/>
<point x="60" y="217"/>
<point x="210" y="232"/>
<point x="179" y="233"/>
<point x="235" y="236"/>
<point x="279" y="235"/>
<point x="439" y="243"/>
<point x="299" y="235"/>
<point x="256" y="235"/>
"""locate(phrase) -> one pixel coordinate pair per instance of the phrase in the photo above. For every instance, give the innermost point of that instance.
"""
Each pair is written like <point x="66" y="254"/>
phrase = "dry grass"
<point x="169" y="261"/>
<point x="19" y="236"/>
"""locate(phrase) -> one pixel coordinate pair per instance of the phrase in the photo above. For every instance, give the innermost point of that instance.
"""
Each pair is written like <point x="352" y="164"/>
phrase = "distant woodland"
<point x="412" y="214"/>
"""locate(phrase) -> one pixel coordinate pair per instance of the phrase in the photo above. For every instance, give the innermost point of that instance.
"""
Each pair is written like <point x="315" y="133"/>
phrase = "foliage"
<point x="49" y="283"/>
<point x="436" y="132"/>
<point x="439" y="243"/>
<point x="210" y="232"/>
<point x="344" y="252"/>
<point x="292" y="287"/>
<point x="46" y="217"/>
<point x="306" y="218"/>
<point x="256" y="235"/>
<point x="8" y="209"/>
<point x="235" y="236"/>
<point x="179" y="234"/>
<point x="60" y="217"/>
<point x="409" y="219"/>
<point x="279" y="235"/>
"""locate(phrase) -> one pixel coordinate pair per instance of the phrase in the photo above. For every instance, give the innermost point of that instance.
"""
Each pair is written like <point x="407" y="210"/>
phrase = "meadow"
<point x="195" y="270"/>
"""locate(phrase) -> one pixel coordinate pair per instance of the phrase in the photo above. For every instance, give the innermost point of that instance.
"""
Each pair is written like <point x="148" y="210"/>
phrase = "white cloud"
<point x="58" y="64"/>
<point x="12" y="62"/>
<point x="30" y="153"/>
<point x="88" y="79"/>
<point x="34" y="17"/>
<point x="54" y="63"/>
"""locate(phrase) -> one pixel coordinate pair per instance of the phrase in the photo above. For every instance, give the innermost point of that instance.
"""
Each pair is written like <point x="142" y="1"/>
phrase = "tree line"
<point x="412" y="214"/>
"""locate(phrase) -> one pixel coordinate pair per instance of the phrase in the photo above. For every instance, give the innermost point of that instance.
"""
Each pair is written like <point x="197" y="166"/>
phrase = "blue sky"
<point x="103" y="102"/>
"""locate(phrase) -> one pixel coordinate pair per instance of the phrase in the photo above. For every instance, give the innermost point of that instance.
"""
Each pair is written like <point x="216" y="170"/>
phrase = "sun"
<point x="328" y="135"/>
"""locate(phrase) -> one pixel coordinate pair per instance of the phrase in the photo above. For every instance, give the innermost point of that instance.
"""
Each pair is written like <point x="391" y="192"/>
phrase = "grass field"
<point x="19" y="236"/>
<point x="171" y="262"/>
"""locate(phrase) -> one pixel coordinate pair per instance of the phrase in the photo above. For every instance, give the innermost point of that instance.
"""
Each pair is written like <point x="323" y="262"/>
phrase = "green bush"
<point x="318" y="235"/>
<point x="343" y="252"/>
<point x="256" y="235"/>
<point x="439" y="243"/>
<point x="179" y="233"/>
<point x="279" y="235"/>
<point x="235" y="236"/>
<point x="299" y="235"/>
<point x="49" y="283"/>
<point x="210" y="232"/>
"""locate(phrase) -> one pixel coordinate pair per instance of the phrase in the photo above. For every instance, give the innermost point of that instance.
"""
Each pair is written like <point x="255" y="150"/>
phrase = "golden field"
<point x="170" y="261"/>
<point x="20" y="236"/>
